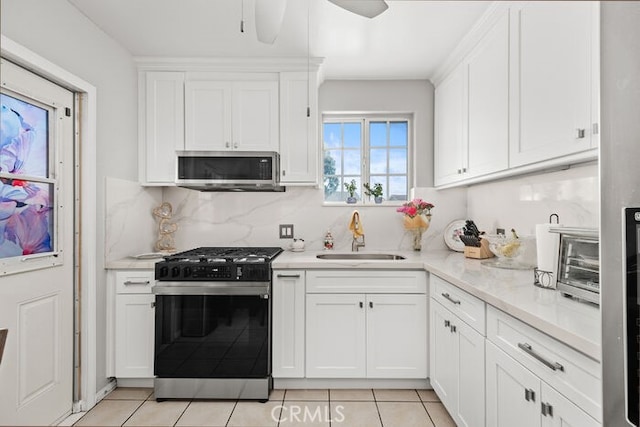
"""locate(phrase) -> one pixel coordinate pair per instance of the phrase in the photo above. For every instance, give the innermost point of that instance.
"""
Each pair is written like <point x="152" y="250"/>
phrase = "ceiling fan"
<point x="269" y="14"/>
<point x="366" y="8"/>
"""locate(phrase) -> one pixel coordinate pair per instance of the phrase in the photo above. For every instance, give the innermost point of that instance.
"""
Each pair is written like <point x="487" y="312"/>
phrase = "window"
<point x="27" y="184"/>
<point x="372" y="149"/>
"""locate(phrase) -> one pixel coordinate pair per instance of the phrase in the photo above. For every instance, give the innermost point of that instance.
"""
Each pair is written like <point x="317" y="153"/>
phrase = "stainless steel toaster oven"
<point x="578" y="274"/>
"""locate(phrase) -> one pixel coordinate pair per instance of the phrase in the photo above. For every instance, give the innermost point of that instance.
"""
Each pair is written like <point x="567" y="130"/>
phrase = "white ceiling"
<point x="408" y="41"/>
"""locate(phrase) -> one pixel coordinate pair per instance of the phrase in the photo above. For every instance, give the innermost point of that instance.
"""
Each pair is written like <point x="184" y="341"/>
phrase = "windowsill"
<point x="360" y="204"/>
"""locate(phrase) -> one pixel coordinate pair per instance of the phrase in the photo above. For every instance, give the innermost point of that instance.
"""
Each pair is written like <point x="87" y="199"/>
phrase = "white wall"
<point x="414" y="96"/>
<point x="55" y="30"/>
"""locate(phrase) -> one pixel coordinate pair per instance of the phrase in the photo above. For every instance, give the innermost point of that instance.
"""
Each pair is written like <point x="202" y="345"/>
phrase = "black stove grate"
<point x="220" y="254"/>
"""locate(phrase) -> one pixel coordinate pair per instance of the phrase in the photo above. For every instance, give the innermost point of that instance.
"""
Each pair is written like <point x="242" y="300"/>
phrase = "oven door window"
<point x="212" y="336"/>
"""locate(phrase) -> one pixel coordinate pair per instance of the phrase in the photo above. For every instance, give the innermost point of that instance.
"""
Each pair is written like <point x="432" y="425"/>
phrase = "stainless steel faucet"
<point x="355" y="244"/>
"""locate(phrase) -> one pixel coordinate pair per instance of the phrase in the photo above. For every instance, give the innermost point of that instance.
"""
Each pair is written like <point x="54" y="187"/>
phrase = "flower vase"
<point x="417" y="225"/>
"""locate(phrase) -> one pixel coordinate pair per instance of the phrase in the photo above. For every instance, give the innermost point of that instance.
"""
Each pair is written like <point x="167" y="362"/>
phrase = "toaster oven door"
<point x="579" y="268"/>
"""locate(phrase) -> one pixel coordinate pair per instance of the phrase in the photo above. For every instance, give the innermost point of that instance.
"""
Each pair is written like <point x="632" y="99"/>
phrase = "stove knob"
<point x="164" y="272"/>
<point x="175" y="272"/>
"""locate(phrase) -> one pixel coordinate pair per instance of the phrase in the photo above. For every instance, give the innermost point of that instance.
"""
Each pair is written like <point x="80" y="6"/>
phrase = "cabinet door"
<point x="255" y="116"/>
<point x="470" y="410"/>
<point x="208" y="115"/>
<point x="488" y="100"/>
<point x="134" y="337"/>
<point x="558" y="411"/>
<point x="450" y="129"/>
<point x="288" y="324"/>
<point x="162" y="112"/>
<point x="552" y="50"/>
<point x="336" y="337"/>
<point x="396" y="336"/>
<point x="443" y="370"/>
<point x="298" y="133"/>
<point x="513" y="392"/>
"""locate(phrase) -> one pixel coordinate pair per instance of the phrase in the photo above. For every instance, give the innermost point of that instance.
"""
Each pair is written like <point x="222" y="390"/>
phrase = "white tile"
<point x="207" y="413"/>
<point x="157" y="414"/>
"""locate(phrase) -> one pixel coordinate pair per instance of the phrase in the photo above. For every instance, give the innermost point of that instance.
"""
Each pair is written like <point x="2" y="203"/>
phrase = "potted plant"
<point x="351" y="189"/>
<point x="376" y="192"/>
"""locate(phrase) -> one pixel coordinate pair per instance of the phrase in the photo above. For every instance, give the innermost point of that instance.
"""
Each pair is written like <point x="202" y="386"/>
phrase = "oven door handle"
<point x="212" y="288"/>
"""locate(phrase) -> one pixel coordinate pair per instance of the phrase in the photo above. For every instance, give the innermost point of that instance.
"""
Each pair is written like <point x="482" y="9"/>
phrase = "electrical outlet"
<point x="286" y="231"/>
<point x="499" y="230"/>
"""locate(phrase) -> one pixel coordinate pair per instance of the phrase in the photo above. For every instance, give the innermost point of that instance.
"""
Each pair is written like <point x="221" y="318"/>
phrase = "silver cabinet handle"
<point x="284" y="172"/>
<point x="361" y="304"/>
<point x="226" y="144"/>
<point x="453" y="329"/>
<point x="464" y="170"/>
<point x="138" y="282"/>
<point x="370" y="304"/>
<point x="447" y="323"/>
<point x="288" y="276"/>
<point x="580" y="133"/>
<point x="554" y="366"/>
<point x="447" y="296"/>
<point x="459" y="171"/>
<point x="235" y="145"/>
<point x="153" y="304"/>
<point x="546" y="409"/>
<point x="529" y="395"/>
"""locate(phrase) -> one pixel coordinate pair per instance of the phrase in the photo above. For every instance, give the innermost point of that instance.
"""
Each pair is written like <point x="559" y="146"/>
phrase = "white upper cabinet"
<point x="231" y="115"/>
<point x="298" y="131"/>
<point x="471" y="111"/>
<point x="488" y="101"/>
<point x="519" y="94"/>
<point x="553" y="85"/>
<point x="161" y="101"/>
<point x="450" y="117"/>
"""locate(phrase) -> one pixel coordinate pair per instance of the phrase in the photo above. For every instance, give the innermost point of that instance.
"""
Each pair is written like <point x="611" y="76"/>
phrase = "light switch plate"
<point x="286" y="231"/>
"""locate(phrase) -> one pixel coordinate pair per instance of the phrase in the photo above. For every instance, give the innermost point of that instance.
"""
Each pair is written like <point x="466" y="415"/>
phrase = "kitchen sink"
<point x="360" y="256"/>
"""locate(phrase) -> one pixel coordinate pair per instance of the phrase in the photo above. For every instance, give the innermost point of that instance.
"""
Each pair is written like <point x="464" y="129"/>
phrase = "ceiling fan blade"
<point x="269" y="15"/>
<point x="366" y="8"/>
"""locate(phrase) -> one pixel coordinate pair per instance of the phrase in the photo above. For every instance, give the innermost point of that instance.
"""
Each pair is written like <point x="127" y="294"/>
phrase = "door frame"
<point x="86" y="265"/>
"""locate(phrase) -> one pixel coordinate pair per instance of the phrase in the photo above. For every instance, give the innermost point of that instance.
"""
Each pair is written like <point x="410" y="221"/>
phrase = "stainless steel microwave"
<point x="229" y="170"/>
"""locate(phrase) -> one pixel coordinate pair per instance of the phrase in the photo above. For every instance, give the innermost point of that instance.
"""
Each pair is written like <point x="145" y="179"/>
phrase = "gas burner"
<point x="250" y="258"/>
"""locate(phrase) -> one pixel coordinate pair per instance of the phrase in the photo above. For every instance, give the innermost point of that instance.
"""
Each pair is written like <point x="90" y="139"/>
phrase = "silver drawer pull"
<point x="554" y="366"/>
<point x="289" y="276"/>
<point x="529" y="395"/>
<point x="447" y="296"/>
<point x="132" y="282"/>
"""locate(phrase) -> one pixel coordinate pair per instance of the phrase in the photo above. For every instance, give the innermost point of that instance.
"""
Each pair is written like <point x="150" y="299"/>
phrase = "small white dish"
<point x="297" y="250"/>
<point x="149" y="255"/>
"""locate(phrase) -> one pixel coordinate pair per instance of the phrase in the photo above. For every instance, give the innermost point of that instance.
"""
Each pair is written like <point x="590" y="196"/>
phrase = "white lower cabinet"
<point x="366" y="336"/>
<point x="457" y="366"/>
<point x="134" y="335"/>
<point x="133" y="315"/>
<point x="516" y="396"/>
<point x="288" y="324"/>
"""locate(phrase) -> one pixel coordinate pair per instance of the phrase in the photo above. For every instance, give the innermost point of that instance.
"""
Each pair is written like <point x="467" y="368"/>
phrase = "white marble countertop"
<point x="132" y="263"/>
<point x="575" y="323"/>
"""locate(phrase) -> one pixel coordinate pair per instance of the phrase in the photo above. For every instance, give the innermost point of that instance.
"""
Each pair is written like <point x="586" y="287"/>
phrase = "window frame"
<point x="365" y="118"/>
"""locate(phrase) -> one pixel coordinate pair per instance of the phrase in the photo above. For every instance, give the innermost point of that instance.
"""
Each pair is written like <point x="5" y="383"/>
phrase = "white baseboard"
<point x="311" y="383"/>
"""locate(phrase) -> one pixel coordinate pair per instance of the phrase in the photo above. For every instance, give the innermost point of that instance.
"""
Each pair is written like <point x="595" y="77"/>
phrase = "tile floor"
<point x="341" y="408"/>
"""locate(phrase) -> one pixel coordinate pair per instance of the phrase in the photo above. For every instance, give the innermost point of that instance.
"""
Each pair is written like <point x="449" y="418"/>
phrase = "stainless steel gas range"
<point x="213" y="324"/>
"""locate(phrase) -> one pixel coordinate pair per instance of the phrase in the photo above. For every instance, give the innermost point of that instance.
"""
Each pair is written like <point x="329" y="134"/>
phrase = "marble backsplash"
<point x="242" y="219"/>
<point x="130" y="227"/>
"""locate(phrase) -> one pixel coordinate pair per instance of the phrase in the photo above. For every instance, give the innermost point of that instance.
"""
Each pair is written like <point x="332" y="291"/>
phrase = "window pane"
<point x="352" y="162"/>
<point x="332" y="162"/>
<point x="24" y="138"/>
<point x="398" y="134"/>
<point x="332" y="190"/>
<point x="332" y="135"/>
<point x="397" y="160"/>
<point x="397" y="188"/>
<point x="378" y="134"/>
<point x="26" y="211"/>
<point x="352" y="135"/>
<point x="378" y="160"/>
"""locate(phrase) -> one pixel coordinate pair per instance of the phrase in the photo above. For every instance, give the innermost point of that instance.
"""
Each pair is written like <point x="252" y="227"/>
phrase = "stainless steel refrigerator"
<point x="619" y="195"/>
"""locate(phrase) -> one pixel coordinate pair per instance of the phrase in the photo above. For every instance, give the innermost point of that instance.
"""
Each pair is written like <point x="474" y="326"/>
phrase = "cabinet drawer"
<point x="468" y="308"/>
<point x="362" y="281"/>
<point x="134" y="282"/>
<point x="575" y="375"/>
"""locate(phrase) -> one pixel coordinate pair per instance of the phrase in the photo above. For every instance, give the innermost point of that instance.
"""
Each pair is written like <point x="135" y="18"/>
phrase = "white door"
<point x="336" y="336"/>
<point x="36" y="248"/>
<point x="134" y="335"/>
<point x="387" y="332"/>
<point x="444" y="354"/>
<point x="513" y="392"/>
<point x="471" y="384"/>
<point x="288" y="324"/>
<point x="255" y="116"/>
<point x="208" y="123"/>
<point x="558" y="411"/>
